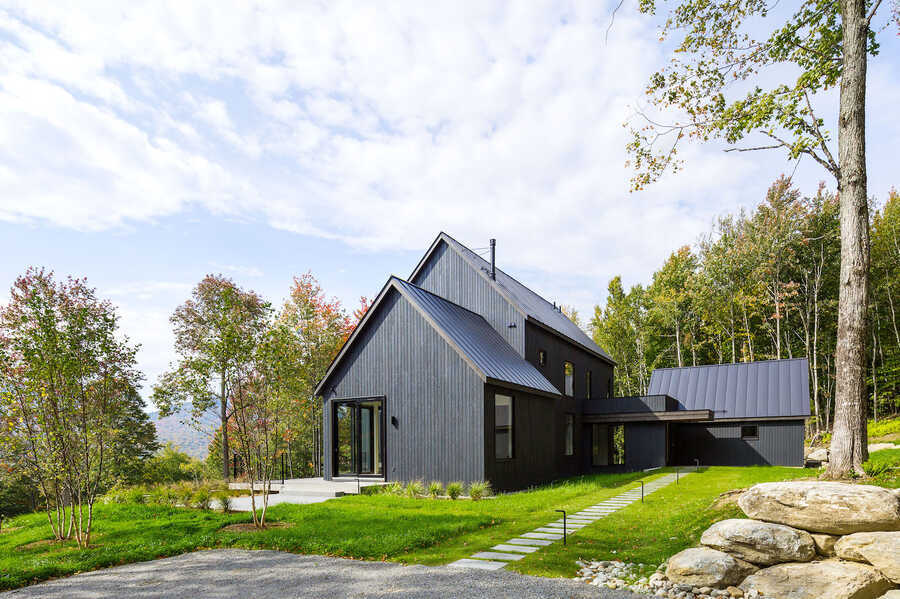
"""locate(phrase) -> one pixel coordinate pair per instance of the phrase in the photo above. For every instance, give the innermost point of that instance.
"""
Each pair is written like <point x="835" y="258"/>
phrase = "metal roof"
<point x="531" y="304"/>
<point x="472" y="336"/>
<point x="768" y="389"/>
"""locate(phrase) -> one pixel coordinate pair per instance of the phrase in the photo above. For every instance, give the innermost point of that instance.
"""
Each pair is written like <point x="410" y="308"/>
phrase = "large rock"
<point x="760" y="543"/>
<point x="881" y="549"/>
<point x="833" y="508"/>
<point x="824" y="543"/>
<point x="891" y="595"/>
<point x="818" y="455"/>
<point x="829" y="579"/>
<point x="704" y="567"/>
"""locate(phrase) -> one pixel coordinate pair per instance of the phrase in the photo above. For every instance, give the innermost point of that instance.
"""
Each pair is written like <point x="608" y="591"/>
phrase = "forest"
<point x="761" y="285"/>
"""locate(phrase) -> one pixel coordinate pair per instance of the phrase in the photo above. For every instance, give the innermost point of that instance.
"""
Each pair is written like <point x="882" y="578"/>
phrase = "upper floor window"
<point x="587" y="384"/>
<point x="609" y="387"/>
<point x="750" y="431"/>
<point x="569" y="370"/>
<point x="570" y="434"/>
<point x="503" y="427"/>
<point x="542" y="357"/>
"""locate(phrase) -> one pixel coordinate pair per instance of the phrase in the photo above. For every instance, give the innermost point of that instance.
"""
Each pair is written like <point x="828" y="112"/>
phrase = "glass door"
<point x="359" y="437"/>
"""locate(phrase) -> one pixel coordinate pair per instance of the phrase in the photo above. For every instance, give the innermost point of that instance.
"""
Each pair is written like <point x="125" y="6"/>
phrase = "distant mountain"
<point x="178" y="430"/>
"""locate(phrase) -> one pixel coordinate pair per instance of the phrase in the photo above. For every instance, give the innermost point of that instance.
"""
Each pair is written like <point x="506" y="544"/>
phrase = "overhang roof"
<point x="529" y="303"/>
<point x="767" y="389"/>
<point x="468" y="333"/>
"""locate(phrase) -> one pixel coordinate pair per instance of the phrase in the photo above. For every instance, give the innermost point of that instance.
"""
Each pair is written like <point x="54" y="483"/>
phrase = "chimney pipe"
<point x="493" y="259"/>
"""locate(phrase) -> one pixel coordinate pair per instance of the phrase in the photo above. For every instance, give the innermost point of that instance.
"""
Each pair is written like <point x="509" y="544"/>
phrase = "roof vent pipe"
<point x="493" y="259"/>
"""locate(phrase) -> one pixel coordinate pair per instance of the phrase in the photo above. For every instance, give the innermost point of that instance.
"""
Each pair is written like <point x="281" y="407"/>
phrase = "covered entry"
<point x="358" y="442"/>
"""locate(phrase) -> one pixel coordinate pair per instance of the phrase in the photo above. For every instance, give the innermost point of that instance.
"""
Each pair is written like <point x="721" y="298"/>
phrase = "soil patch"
<point x="249" y="527"/>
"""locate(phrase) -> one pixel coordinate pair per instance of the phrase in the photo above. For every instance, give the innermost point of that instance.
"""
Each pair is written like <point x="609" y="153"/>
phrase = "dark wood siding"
<point x="539" y="441"/>
<point x="560" y="351"/>
<point x="645" y="445"/>
<point x="780" y="443"/>
<point x="446" y="274"/>
<point x="432" y="392"/>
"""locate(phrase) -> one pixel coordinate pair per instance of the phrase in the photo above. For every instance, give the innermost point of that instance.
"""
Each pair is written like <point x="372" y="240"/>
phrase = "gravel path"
<point x="233" y="573"/>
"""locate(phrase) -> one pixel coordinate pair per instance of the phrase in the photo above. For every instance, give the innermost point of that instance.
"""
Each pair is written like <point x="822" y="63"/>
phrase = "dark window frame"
<point x="749" y="432"/>
<point x="569" y="435"/>
<point x="510" y="429"/>
<point x="542" y="357"/>
<point x="567" y="378"/>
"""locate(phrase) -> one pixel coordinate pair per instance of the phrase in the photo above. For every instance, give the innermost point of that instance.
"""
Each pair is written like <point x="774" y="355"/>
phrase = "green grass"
<point x="884" y="430"/>
<point x="671" y="519"/>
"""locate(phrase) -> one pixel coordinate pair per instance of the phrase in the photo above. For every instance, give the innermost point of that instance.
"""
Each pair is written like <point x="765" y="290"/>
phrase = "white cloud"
<point x="245" y="271"/>
<point x="371" y="123"/>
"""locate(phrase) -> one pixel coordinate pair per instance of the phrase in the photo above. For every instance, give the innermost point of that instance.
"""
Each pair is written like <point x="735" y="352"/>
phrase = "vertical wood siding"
<point x="435" y="396"/>
<point x="780" y="443"/>
<point x="560" y="351"/>
<point x="446" y="274"/>
<point x="645" y="445"/>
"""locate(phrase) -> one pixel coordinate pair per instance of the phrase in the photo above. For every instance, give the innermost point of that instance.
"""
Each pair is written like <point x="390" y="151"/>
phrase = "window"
<point x="587" y="384"/>
<point x="542" y="357"/>
<point x="750" y="431"/>
<point x="569" y="370"/>
<point x="609" y="390"/>
<point x="570" y="434"/>
<point x="503" y="427"/>
<point x="607" y="445"/>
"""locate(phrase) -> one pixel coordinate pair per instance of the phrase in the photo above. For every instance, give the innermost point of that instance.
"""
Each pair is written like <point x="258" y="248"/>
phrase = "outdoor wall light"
<point x="394" y="422"/>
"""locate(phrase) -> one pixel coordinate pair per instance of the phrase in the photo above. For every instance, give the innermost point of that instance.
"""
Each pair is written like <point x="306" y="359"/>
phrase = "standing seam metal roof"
<point x="477" y="340"/>
<point x="767" y="389"/>
<point x="531" y="303"/>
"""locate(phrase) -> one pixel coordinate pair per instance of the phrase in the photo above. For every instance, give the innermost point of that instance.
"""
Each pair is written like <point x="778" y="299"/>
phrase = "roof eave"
<point x="516" y="387"/>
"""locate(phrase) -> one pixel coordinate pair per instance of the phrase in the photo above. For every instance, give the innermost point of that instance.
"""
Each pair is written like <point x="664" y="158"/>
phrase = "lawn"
<point x="400" y="529"/>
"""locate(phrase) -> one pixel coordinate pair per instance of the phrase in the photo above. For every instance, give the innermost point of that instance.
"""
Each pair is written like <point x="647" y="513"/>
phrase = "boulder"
<point x="824" y="544"/>
<point x="895" y="594"/>
<point x="829" y="507"/>
<point x="829" y="579"/>
<point x="818" y="455"/>
<point x="761" y="543"/>
<point x="881" y="549"/>
<point x="704" y="567"/>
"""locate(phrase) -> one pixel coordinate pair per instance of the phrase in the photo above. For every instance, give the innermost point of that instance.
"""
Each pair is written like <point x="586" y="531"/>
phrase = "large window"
<point x="587" y="384"/>
<point x="569" y="370"/>
<point x="570" y="434"/>
<point x="503" y="427"/>
<point x="607" y="445"/>
<point x="749" y="432"/>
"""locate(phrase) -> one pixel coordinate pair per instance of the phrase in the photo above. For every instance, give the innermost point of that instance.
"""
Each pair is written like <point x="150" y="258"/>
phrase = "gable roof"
<point x="532" y="306"/>
<point x="468" y="333"/>
<point x="767" y="389"/>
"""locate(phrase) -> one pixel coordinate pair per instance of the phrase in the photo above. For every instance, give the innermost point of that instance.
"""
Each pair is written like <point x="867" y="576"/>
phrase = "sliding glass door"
<point x="359" y="437"/>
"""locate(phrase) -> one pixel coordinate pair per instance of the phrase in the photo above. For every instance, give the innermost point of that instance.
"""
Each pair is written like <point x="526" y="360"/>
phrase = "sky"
<point x="145" y="144"/>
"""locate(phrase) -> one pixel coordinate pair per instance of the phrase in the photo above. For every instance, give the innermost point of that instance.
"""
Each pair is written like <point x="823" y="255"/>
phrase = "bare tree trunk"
<point x="223" y="414"/>
<point x="848" y="443"/>
<point x="678" y="342"/>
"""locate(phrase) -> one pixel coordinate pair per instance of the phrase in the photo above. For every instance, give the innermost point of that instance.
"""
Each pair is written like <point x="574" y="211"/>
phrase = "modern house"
<point x="463" y="373"/>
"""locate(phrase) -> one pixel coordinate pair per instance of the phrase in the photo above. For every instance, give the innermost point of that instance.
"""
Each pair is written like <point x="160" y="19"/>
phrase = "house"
<point x="461" y="372"/>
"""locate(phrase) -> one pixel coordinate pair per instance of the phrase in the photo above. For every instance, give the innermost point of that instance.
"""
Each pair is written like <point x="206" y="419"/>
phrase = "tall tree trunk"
<point x="223" y="404"/>
<point x="848" y="444"/>
<point x="678" y="342"/>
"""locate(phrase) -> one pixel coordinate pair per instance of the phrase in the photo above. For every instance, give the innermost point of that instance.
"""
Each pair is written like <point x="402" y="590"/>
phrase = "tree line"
<point x="762" y="285"/>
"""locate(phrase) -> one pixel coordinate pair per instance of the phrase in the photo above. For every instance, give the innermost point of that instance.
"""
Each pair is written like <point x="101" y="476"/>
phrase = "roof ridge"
<point x="732" y="364"/>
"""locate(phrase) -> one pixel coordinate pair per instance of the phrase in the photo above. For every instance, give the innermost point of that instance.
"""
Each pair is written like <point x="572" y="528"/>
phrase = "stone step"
<point x="554" y="530"/>
<point x="519" y="548"/>
<point x="477" y="564"/>
<point x="530" y="542"/>
<point x="497" y="555"/>
<point x="542" y="535"/>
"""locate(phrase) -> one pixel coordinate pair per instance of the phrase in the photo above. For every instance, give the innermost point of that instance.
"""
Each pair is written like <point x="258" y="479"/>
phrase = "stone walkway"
<point x="529" y="542"/>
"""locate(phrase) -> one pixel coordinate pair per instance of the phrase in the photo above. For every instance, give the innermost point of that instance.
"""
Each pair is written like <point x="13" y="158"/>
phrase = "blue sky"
<point x="145" y="144"/>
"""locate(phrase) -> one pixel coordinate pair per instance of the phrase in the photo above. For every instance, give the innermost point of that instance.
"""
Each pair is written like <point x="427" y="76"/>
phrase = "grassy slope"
<point x="884" y="431"/>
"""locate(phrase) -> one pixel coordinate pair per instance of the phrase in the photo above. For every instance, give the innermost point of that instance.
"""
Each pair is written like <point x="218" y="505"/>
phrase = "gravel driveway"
<point x="235" y="573"/>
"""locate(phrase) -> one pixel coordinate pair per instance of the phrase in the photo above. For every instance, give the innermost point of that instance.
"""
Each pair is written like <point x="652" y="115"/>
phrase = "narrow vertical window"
<point x="587" y="384"/>
<point x="503" y="427"/>
<point x="570" y="434"/>
<point x="609" y="387"/>
<point x="569" y="370"/>
<point x="542" y="357"/>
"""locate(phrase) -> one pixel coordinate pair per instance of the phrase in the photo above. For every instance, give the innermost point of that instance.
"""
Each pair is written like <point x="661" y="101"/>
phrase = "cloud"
<point x="245" y="271"/>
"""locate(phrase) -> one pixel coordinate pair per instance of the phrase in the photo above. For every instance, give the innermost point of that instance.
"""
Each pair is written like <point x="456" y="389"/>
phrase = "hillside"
<point x="178" y="430"/>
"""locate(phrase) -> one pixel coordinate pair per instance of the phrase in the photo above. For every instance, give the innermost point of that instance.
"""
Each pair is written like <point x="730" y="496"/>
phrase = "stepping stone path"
<point x="529" y="542"/>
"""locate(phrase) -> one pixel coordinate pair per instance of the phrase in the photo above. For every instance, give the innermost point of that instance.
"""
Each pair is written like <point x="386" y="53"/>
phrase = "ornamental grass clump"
<point x="136" y="494"/>
<point x="201" y="499"/>
<point x="224" y="501"/>
<point x="435" y="489"/>
<point x="393" y="488"/>
<point x="454" y="489"/>
<point x="415" y="488"/>
<point x="479" y="489"/>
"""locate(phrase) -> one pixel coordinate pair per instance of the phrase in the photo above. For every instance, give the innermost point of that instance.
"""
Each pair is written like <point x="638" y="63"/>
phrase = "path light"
<point x="642" y="491"/>
<point x="676" y="475"/>
<point x="697" y="460"/>
<point x="565" y="532"/>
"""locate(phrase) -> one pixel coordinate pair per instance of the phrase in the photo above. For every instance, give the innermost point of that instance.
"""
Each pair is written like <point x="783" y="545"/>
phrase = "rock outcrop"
<point x="827" y="507"/>
<point x="824" y="543"/>
<point x="701" y="566"/>
<point x="761" y="543"/>
<point x="881" y="549"/>
<point x="829" y="579"/>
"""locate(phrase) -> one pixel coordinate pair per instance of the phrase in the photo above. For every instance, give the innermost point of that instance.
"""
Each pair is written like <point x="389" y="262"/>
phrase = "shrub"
<point x="137" y="494"/>
<point x="224" y="500"/>
<point x="184" y="494"/>
<point x="393" y="488"/>
<point x="875" y="469"/>
<point x="156" y="496"/>
<point x="415" y="488"/>
<point x="454" y="489"/>
<point x="201" y="498"/>
<point x="372" y="490"/>
<point x="117" y="494"/>
<point x="435" y="489"/>
<point x="479" y="489"/>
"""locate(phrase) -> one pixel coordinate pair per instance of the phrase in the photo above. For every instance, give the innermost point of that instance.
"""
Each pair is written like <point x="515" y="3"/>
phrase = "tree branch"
<point x="772" y="147"/>
<point x="871" y="13"/>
